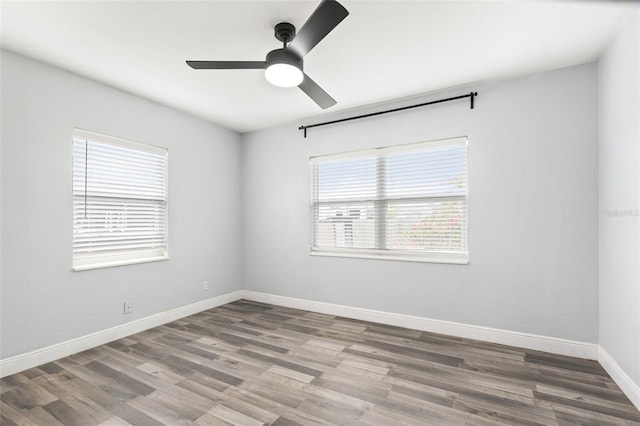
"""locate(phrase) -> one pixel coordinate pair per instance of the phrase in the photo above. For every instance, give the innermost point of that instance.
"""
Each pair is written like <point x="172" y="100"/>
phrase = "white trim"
<point x="113" y="140"/>
<point x="628" y="386"/>
<point x="454" y="259"/>
<point x="41" y="356"/>
<point x="505" y="337"/>
<point x="438" y="143"/>
<point x="98" y="262"/>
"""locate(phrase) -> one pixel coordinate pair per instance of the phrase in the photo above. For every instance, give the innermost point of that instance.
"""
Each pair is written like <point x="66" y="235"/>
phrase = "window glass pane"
<point x="348" y="179"/>
<point x="346" y="225"/>
<point x="115" y="224"/>
<point x="434" y="172"/>
<point x="426" y="226"/>
<point x="122" y="172"/>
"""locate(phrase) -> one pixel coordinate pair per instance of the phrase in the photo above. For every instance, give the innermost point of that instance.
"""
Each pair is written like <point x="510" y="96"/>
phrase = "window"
<point x="406" y="202"/>
<point x="119" y="201"/>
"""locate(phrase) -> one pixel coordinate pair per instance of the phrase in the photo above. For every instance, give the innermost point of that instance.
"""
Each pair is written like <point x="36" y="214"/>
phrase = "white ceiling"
<point x="383" y="50"/>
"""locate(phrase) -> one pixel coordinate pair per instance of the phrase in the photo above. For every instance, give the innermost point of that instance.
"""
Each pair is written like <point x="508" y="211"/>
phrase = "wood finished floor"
<point x="251" y="364"/>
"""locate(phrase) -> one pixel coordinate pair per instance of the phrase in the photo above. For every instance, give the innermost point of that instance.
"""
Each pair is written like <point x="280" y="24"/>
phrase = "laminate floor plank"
<point x="67" y="415"/>
<point x="384" y="416"/>
<point x="134" y="416"/>
<point x="27" y="397"/>
<point x="115" y="421"/>
<point x="247" y="363"/>
<point x="591" y="399"/>
<point x="331" y="412"/>
<point x="419" y="410"/>
<point x="107" y="392"/>
<point x="297" y="417"/>
<point x="575" y="376"/>
<point x="507" y="413"/>
<point x="159" y="412"/>
<point x="238" y="369"/>
<point x="182" y="401"/>
<point x="284" y="395"/>
<point x="249" y="409"/>
<point x="317" y="356"/>
<point x="578" y="416"/>
<point x="160" y="373"/>
<point x="73" y="385"/>
<point x="256" y="402"/>
<point x="426" y="393"/>
<point x="232" y="416"/>
<point x="613" y="411"/>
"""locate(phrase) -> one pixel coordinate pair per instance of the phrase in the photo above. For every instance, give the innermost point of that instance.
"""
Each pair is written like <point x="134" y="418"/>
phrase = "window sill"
<point x="421" y="258"/>
<point x="108" y="264"/>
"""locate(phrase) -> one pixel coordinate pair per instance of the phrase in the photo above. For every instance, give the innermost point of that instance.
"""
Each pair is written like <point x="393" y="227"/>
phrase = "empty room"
<point x="320" y="212"/>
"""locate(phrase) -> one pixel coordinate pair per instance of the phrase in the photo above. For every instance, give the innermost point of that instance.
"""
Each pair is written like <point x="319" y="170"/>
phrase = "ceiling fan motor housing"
<point x="284" y="56"/>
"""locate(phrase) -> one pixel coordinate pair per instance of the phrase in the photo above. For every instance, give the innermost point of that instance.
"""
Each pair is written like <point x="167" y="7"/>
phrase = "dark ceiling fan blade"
<point x="227" y="65"/>
<point x="324" y="19"/>
<point x="316" y="93"/>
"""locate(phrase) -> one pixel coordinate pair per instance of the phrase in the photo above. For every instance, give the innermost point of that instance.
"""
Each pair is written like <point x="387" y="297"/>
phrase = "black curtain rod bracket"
<point x="470" y="95"/>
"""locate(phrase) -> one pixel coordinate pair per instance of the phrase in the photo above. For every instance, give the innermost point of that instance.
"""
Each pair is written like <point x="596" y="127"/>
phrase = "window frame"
<point x="102" y="259"/>
<point x="461" y="258"/>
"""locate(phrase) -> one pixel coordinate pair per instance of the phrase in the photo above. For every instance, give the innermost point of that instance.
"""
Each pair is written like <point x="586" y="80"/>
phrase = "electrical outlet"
<point x="205" y="285"/>
<point x="128" y="308"/>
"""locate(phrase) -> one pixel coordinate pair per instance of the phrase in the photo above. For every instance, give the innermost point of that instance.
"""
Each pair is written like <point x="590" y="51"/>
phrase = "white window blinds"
<point x="405" y="202"/>
<point x="119" y="201"/>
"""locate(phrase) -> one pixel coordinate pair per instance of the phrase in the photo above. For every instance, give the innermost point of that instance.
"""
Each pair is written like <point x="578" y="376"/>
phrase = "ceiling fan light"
<point x="284" y="75"/>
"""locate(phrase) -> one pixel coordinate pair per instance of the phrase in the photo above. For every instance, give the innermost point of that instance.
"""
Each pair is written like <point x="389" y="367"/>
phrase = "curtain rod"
<point x="470" y="95"/>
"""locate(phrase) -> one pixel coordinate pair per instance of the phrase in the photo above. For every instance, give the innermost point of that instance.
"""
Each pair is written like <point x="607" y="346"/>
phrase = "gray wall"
<point x="43" y="301"/>
<point x="533" y="211"/>
<point x="619" y="83"/>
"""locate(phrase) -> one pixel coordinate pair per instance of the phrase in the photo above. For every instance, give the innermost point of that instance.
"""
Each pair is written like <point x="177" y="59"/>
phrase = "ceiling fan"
<point x="283" y="67"/>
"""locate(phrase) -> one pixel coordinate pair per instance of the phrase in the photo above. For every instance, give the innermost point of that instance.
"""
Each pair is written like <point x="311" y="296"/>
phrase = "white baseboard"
<point x="505" y="337"/>
<point x="37" y="357"/>
<point x="628" y="386"/>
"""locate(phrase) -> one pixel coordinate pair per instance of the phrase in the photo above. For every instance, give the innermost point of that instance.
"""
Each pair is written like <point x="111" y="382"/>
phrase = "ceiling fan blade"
<point x="321" y="22"/>
<point x="227" y="65"/>
<point x="316" y="93"/>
